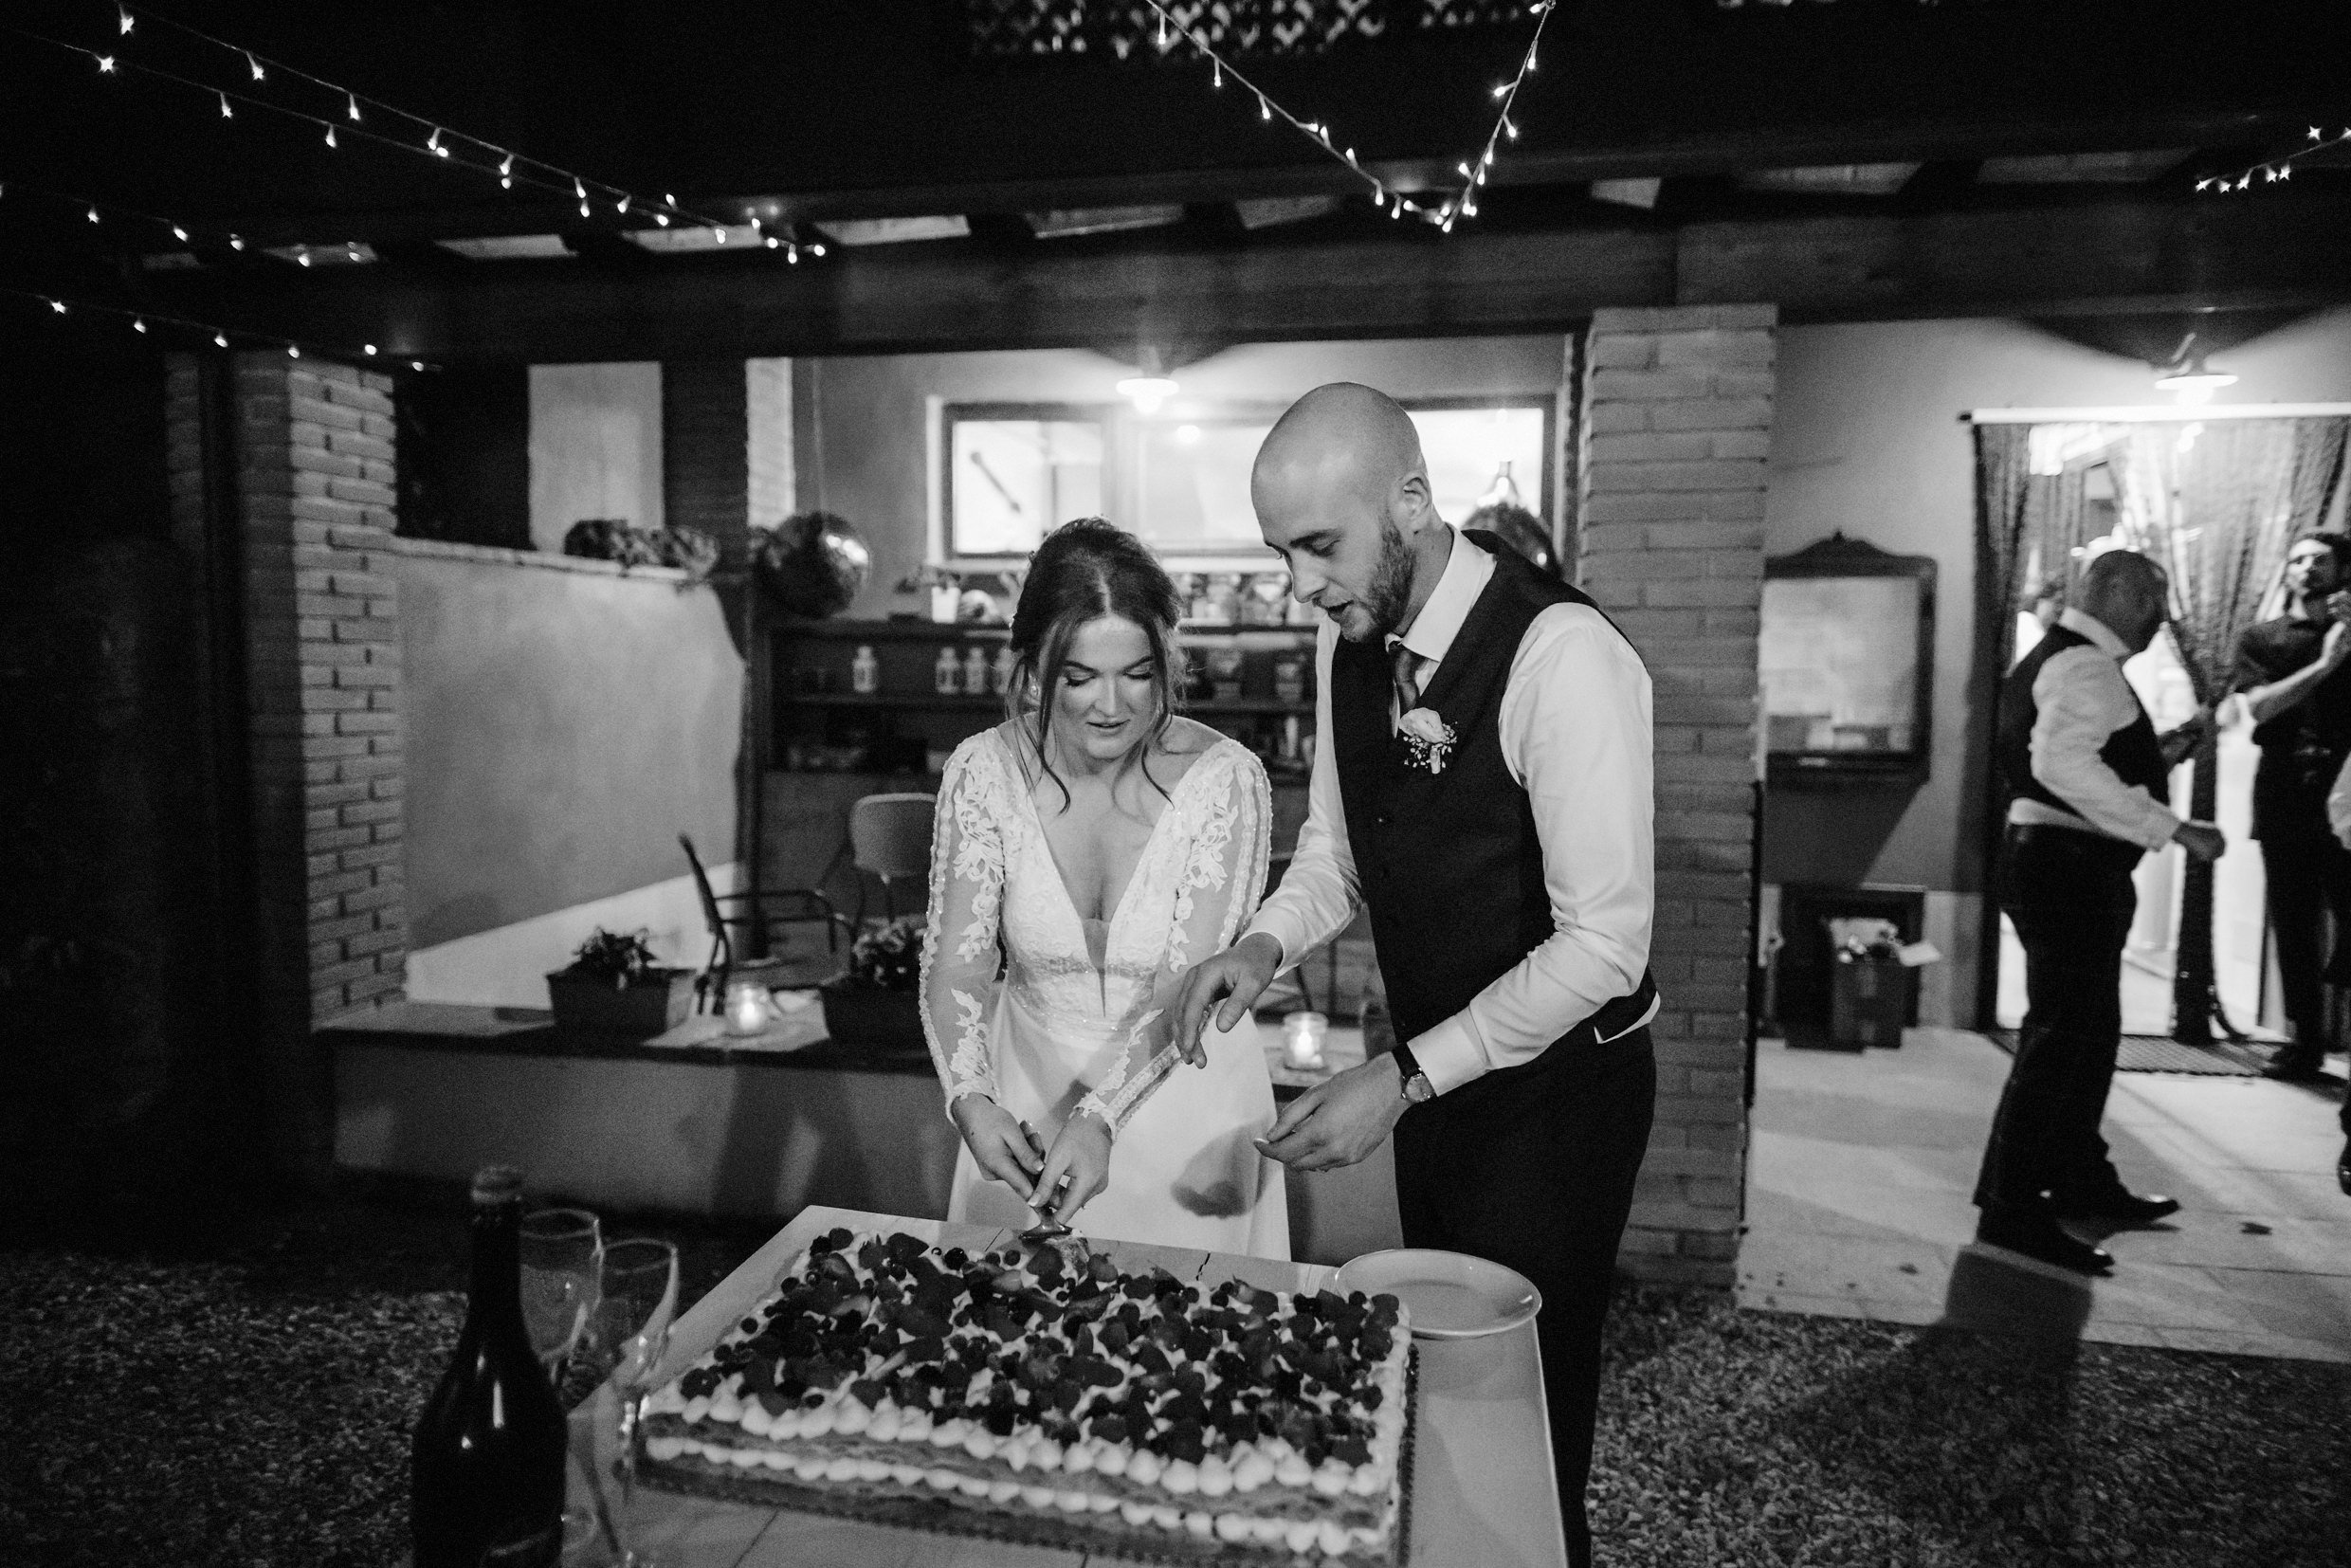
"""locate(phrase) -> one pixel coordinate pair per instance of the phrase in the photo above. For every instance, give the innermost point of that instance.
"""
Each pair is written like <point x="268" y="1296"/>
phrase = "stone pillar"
<point x="1678" y="415"/>
<point x="314" y="493"/>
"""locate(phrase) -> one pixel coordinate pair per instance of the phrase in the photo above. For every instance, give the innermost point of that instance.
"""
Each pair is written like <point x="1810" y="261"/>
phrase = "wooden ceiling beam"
<point x="2268" y="251"/>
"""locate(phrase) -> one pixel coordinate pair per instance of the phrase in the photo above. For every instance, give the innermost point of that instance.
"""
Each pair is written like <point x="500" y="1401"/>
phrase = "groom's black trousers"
<point x="1534" y="1167"/>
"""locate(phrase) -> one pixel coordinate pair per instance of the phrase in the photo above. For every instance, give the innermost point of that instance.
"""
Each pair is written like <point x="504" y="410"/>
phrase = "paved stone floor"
<point x="1858" y="1204"/>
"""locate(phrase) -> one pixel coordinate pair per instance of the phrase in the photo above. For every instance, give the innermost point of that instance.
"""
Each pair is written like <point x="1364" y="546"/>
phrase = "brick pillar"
<point x="314" y="495"/>
<point x="1678" y="422"/>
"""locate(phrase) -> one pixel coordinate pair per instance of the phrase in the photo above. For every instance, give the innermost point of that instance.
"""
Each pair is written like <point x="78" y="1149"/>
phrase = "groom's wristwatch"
<point x="1414" y="1085"/>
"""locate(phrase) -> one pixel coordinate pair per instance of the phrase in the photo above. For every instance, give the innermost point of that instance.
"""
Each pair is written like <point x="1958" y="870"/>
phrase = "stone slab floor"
<point x="1858" y="1207"/>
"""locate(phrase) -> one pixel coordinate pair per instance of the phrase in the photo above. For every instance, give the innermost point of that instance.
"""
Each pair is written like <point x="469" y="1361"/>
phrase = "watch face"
<point x="1419" y="1090"/>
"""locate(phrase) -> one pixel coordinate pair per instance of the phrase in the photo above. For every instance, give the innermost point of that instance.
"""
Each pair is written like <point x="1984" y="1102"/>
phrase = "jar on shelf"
<point x="976" y="672"/>
<point x="1224" y="674"/>
<point x="1289" y="678"/>
<point x="947" y="673"/>
<point x="864" y="672"/>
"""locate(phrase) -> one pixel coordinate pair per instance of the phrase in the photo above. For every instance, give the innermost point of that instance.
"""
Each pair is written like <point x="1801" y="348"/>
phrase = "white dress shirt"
<point x="2081" y="699"/>
<point x="1576" y="736"/>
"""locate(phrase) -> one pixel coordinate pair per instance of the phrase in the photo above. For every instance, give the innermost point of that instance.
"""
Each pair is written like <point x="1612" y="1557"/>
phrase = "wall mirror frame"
<point x="993" y="463"/>
<point x="1846" y="653"/>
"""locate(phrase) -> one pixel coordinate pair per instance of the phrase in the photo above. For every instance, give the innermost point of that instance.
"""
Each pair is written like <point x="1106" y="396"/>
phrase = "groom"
<point x="1481" y="779"/>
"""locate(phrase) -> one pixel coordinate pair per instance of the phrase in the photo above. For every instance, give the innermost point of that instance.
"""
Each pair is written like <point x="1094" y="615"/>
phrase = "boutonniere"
<point x="1428" y="737"/>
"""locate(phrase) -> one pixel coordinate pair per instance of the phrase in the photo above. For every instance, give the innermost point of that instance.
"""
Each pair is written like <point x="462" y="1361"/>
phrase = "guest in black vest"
<point x="2295" y="672"/>
<point x="2090" y="777"/>
<point x="1481" y="780"/>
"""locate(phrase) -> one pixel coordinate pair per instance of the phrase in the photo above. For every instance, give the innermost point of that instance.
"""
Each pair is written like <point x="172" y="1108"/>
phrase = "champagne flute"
<point x="562" y="1253"/>
<point x="627" y="1334"/>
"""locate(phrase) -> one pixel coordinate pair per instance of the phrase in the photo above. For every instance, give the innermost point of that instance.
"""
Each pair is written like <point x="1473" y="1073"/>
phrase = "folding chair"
<point x="760" y="907"/>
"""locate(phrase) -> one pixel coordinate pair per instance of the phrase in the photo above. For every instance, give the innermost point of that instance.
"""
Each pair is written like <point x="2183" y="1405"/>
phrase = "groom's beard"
<point x="1389" y="595"/>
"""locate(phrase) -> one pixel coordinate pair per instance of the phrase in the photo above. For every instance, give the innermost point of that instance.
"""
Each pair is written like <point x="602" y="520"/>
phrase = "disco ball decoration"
<point x="813" y="564"/>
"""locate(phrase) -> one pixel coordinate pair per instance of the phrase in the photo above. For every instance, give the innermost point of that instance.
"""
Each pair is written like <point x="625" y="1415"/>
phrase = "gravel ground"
<point x="242" y="1397"/>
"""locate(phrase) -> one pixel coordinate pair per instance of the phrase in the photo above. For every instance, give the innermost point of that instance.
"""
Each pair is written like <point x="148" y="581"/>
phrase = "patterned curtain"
<point x="2216" y="502"/>
<point x="2029" y="517"/>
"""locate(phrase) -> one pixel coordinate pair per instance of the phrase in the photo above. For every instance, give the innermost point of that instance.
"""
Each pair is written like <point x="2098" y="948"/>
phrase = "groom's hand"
<point x="1340" y="1121"/>
<point x="1235" y="977"/>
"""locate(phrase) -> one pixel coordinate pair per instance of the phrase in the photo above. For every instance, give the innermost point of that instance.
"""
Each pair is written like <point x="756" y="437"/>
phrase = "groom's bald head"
<point x="1342" y="490"/>
<point x="1341" y="437"/>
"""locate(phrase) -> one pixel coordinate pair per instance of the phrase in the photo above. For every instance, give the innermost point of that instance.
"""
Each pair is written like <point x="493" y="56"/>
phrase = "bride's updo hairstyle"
<point x="1085" y="570"/>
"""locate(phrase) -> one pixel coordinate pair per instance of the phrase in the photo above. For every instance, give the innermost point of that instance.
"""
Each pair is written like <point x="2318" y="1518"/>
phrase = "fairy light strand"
<point x="537" y="172"/>
<point x="441" y="142"/>
<point x="1461" y="204"/>
<point x="222" y="337"/>
<point x="2276" y="170"/>
<point x="105" y="212"/>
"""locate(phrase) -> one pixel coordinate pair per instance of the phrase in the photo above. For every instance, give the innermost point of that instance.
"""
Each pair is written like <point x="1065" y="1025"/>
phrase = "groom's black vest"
<point x="1449" y="862"/>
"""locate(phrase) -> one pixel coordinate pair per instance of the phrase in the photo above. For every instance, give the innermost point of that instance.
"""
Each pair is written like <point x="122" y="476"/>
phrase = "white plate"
<point x="1450" y="1295"/>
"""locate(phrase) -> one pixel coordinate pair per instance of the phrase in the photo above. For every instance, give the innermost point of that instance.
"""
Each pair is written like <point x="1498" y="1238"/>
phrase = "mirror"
<point x="1847" y="649"/>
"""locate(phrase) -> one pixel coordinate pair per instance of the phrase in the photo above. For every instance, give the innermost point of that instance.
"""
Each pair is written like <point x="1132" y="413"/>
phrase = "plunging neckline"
<point x="1061" y="879"/>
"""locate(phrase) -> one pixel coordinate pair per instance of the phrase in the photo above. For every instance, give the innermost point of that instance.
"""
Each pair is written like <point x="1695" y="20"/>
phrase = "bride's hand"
<point x="998" y="1142"/>
<point x="1081" y="1157"/>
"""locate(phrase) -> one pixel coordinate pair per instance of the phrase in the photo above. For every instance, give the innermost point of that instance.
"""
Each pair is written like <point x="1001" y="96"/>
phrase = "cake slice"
<point x="1048" y="1383"/>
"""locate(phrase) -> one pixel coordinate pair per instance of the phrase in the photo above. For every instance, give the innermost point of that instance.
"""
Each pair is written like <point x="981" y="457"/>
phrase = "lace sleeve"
<point x="960" y="946"/>
<point x="1228" y="835"/>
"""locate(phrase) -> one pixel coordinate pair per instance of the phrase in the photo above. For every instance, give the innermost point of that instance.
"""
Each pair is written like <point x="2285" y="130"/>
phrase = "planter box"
<point x="593" y="1006"/>
<point x="866" y="1019"/>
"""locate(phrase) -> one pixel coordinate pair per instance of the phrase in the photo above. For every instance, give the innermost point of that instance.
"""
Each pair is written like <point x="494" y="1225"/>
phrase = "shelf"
<point x="941" y="701"/>
<point x="932" y="632"/>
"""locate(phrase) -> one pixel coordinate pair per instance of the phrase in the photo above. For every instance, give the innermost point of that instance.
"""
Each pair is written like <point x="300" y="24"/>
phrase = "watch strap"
<point x="1408" y="1068"/>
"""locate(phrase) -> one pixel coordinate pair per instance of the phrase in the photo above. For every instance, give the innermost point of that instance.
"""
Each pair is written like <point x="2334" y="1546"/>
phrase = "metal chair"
<point x="891" y="841"/>
<point x="760" y="908"/>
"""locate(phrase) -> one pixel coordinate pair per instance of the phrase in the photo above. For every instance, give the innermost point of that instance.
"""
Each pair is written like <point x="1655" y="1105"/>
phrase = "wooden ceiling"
<point x="1848" y="159"/>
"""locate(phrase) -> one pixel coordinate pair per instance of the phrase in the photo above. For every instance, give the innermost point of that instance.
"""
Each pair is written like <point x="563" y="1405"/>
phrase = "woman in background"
<point x="1087" y="851"/>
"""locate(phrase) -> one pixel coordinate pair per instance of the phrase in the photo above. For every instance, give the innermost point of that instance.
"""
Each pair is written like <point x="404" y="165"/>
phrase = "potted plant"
<point x="614" y="986"/>
<point x="874" y="1004"/>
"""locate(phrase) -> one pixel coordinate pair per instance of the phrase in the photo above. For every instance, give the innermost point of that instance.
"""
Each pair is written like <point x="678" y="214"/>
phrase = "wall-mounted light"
<point x="1149" y="388"/>
<point x="2186" y="378"/>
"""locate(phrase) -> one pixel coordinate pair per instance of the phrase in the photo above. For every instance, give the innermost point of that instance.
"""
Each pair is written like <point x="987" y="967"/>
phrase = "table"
<point x="1483" y="1485"/>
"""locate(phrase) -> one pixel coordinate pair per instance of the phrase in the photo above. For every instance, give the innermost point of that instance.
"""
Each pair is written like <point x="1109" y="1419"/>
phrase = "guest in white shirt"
<point x="2090" y="777"/>
<point x="1481" y="780"/>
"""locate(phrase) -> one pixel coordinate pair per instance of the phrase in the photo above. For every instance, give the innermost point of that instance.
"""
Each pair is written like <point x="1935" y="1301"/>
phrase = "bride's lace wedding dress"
<point x="1024" y="1003"/>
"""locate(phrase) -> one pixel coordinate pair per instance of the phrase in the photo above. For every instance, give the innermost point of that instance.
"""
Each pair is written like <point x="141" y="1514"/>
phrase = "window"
<point x="1015" y="471"/>
<point x="1180" y="480"/>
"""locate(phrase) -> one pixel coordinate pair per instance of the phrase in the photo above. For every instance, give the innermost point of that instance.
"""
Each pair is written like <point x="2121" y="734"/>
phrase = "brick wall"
<point x="313" y="486"/>
<point x="1678" y="425"/>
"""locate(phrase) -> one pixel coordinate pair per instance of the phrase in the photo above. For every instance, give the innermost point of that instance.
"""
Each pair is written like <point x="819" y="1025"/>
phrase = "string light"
<point x="438" y="144"/>
<point x="2317" y="140"/>
<point x="143" y="321"/>
<point x="1443" y="214"/>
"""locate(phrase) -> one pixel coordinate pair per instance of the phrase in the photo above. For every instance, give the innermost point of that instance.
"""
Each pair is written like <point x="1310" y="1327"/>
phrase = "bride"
<point x="1087" y="852"/>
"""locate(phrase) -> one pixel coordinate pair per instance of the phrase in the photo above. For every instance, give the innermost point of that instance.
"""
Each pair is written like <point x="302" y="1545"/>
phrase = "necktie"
<point x="1406" y="665"/>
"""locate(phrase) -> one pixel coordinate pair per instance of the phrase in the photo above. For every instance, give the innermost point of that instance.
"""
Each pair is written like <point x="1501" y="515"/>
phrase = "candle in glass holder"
<point x="1301" y="1040"/>
<point x="748" y="1007"/>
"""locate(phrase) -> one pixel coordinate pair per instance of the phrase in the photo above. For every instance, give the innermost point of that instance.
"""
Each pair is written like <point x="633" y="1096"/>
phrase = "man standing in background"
<point x="2089" y="776"/>
<point x="2291" y="672"/>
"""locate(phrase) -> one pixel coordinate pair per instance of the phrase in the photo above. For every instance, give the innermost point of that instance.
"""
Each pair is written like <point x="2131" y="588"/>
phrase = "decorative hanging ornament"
<point x="330" y="136"/>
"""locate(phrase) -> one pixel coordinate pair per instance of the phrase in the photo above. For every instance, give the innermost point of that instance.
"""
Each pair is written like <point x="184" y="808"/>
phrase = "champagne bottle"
<point x="486" y="1473"/>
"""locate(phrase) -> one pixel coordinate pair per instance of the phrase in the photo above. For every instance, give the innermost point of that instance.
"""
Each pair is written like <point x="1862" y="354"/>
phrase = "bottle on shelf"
<point x="976" y="672"/>
<point x="947" y="674"/>
<point x="486" y="1467"/>
<point x="1007" y="661"/>
<point x="864" y="672"/>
